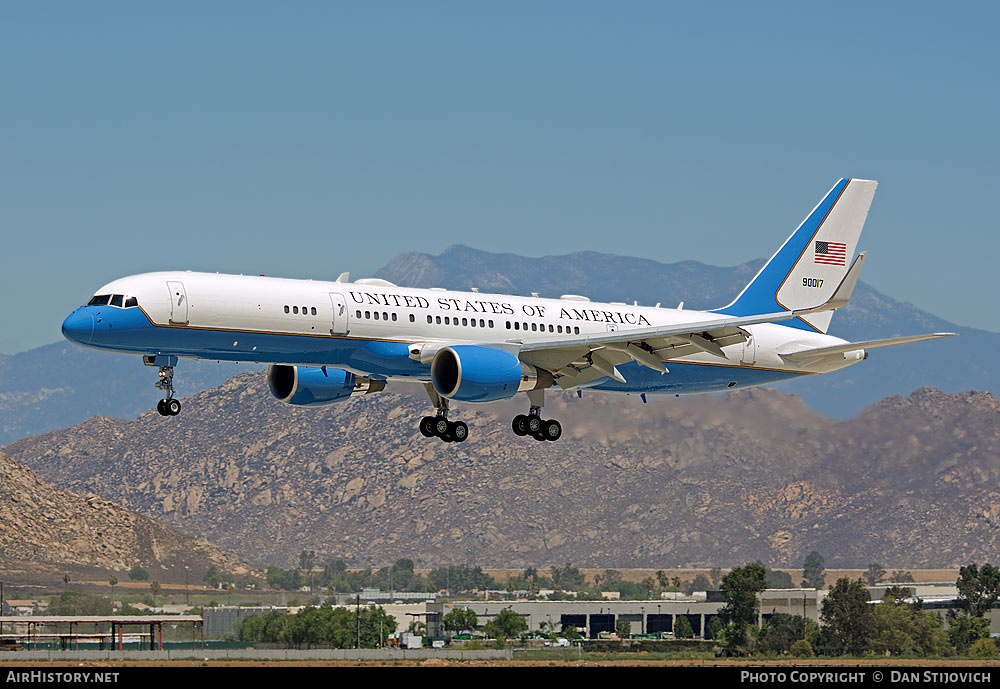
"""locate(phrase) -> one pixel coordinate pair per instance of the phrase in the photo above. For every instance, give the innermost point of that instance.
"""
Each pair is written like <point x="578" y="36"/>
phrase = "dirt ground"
<point x="638" y="661"/>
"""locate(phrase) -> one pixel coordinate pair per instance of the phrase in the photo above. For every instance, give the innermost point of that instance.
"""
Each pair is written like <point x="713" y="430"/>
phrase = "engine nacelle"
<point x="470" y="373"/>
<point x="312" y="386"/>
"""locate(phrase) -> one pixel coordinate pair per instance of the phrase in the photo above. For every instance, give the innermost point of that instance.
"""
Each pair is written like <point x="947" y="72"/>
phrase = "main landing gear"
<point x="440" y="426"/>
<point x="168" y="406"/>
<point x="532" y="424"/>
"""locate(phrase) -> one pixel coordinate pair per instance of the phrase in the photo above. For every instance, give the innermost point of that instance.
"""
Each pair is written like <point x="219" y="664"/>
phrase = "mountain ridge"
<point x="696" y="481"/>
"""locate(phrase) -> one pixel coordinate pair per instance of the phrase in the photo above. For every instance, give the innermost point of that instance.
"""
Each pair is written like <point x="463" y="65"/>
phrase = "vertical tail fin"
<point x="807" y="269"/>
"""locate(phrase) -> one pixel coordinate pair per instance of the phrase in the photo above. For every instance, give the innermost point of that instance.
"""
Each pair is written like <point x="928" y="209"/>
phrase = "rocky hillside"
<point x="60" y="532"/>
<point x="692" y="481"/>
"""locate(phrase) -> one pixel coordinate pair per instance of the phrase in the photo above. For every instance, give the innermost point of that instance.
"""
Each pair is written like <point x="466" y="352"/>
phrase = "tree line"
<point x="852" y="624"/>
<point x="362" y="627"/>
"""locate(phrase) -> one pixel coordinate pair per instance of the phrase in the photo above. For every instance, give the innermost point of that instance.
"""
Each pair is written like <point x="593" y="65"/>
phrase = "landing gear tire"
<point x="459" y="431"/>
<point x="520" y="425"/>
<point x="161" y="407"/>
<point x="552" y="430"/>
<point x="427" y="426"/>
<point x="534" y="425"/>
<point x="441" y="426"/>
<point x="538" y="436"/>
<point x="173" y="407"/>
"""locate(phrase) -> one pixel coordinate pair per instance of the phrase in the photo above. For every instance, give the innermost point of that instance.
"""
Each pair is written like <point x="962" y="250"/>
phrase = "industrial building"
<point x="645" y="616"/>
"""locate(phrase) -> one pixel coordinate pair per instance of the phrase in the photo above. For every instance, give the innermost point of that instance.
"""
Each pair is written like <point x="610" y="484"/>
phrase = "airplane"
<point x="326" y="342"/>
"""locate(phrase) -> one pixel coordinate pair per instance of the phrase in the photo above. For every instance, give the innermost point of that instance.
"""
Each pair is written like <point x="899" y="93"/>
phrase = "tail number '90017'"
<point x="812" y="282"/>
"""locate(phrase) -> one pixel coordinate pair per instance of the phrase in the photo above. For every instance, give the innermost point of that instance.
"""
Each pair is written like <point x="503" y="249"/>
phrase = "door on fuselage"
<point x="339" y="314"/>
<point x="178" y="303"/>
<point x="749" y="351"/>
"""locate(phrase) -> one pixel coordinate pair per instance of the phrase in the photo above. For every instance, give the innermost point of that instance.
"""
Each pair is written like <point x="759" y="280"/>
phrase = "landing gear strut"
<point x="168" y="406"/>
<point x="439" y="425"/>
<point x="532" y="424"/>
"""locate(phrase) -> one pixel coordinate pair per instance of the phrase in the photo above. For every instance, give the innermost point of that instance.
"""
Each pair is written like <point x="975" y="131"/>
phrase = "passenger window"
<point x="439" y="320"/>
<point x="465" y="321"/>
<point x="412" y="318"/>
<point x="472" y="322"/>
<point x="576" y="329"/>
<point x="295" y="309"/>
<point x="447" y="320"/>
<point x="376" y="315"/>
<point x="393" y="316"/>
<point x="430" y="319"/>
<point x="313" y="310"/>
<point x="517" y="326"/>
<point x="385" y="316"/>
<point x="99" y="300"/>
<point x="305" y="310"/>
<point x="525" y="326"/>
<point x="368" y="314"/>
<point x="508" y="325"/>
<point x="359" y="313"/>
<point x="559" y="328"/>
<point x="534" y="326"/>
<point x="491" y="324"/>
<point x="286" y="309"/>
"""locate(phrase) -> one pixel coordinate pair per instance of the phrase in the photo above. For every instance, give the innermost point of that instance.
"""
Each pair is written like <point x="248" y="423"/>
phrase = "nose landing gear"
<point x="168" y="406"/>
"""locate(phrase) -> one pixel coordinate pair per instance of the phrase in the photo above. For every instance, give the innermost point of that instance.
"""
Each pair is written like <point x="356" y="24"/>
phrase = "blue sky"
<point x="304" y="139"/>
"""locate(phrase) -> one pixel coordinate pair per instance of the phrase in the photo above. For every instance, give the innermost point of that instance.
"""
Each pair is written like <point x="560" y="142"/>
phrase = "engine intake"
<point x="315" y="386"/>
<point x="470" y="373"/>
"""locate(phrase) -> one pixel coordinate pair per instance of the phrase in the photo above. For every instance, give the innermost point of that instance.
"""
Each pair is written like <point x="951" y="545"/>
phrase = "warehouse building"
<point x="645" y="616"/>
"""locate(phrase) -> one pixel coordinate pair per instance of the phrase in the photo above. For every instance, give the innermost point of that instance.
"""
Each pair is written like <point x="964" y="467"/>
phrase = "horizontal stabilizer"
<point x="806" y="354"/>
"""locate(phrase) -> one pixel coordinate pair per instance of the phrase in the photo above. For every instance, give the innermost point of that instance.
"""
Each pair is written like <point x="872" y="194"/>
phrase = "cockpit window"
<point x="119" y="300"/>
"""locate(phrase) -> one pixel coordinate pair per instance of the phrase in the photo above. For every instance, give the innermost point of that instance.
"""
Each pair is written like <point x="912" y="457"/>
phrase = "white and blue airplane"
<point x="328" y="341"/>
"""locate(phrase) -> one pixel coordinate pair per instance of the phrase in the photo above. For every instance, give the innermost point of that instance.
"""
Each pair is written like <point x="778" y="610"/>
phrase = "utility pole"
<point x="357" y="615"/>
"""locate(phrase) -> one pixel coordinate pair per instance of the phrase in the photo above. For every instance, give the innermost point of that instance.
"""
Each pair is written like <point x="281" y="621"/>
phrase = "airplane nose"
<point x="79" y="326"/>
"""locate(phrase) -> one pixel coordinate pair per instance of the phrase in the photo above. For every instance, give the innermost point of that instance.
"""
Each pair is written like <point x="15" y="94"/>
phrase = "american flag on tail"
<point x="831" y="253"/>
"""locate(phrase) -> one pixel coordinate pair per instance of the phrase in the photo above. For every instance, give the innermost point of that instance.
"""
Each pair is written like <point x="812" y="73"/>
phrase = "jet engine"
<point x="312" y="386"/>
<point x="471" y="373"/>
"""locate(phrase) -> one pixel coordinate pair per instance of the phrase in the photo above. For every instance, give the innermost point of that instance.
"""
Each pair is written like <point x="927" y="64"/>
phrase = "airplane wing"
<point x="581" y="359"/>
<point x="803" y="355"/>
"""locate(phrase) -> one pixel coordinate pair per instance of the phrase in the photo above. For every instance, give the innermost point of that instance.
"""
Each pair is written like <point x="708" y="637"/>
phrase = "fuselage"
<point x="369" y="327"/>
